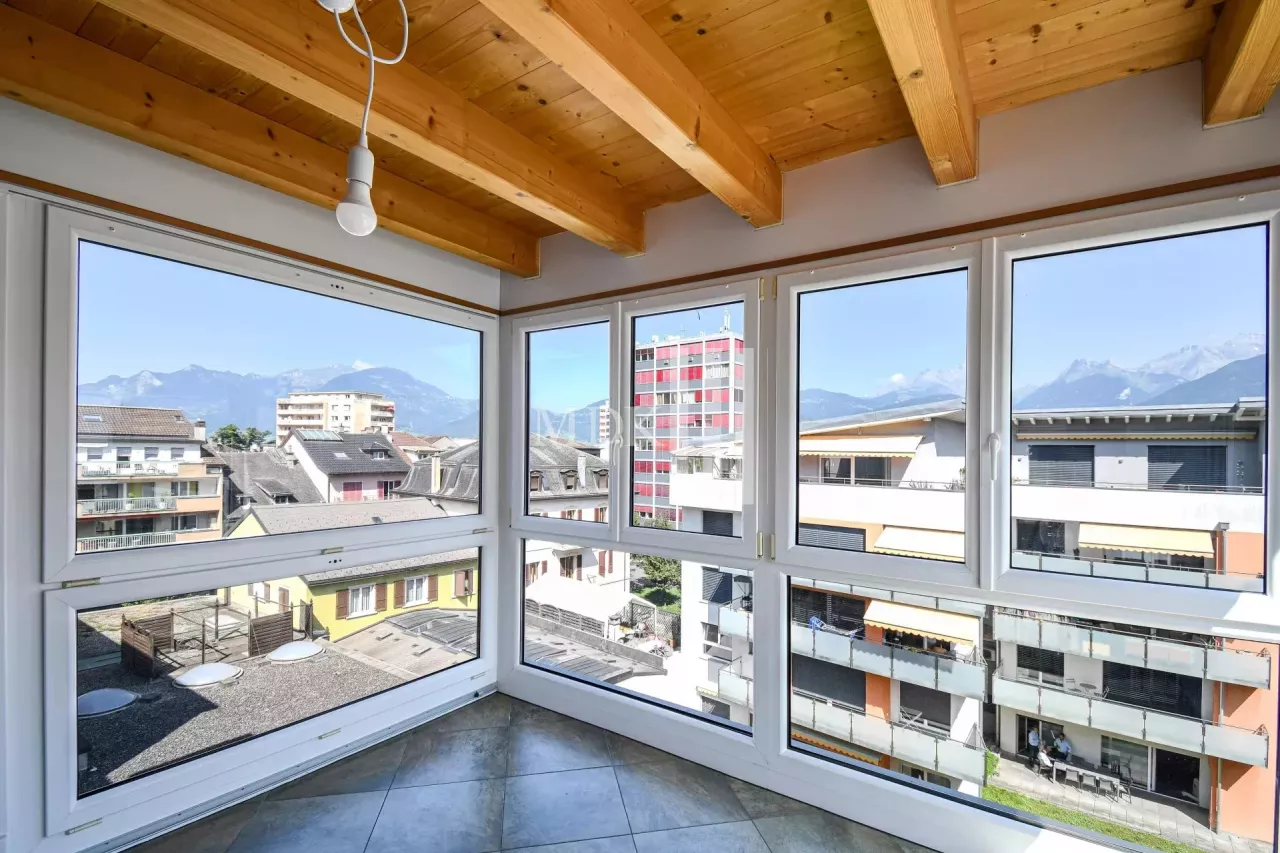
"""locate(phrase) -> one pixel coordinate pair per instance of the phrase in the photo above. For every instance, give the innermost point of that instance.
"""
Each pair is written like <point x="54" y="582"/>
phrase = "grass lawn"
<point x="664" y="597"/>
<point x="1084" y="821"/>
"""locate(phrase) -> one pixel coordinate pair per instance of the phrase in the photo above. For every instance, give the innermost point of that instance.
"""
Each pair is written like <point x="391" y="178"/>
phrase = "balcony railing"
<point x="1235" y="666"/>
<point x="115" y="506"/>
<point x="913" y="743"/>
<point x="91" y="470"/>
<point x="1204" y="737"/>
<point x="736" y="622"/>
<point x="956" y="485"/>
<point x="1038" y="561"/>
<point x="732" y="686"/>
<point x="91" y="544"/>
<point x="1203" y="488"/>
<point x="950" y="673"/>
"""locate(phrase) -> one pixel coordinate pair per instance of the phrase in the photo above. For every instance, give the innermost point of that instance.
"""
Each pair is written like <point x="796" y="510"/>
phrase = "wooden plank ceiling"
<point x="728" y="93"/>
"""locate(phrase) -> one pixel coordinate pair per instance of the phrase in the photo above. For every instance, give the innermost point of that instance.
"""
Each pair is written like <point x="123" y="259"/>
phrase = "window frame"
<point x="66" y="227"/>
<point x="1239" y="612"/>
<point x="868" y="565"/>
<point x="362" y="589"/>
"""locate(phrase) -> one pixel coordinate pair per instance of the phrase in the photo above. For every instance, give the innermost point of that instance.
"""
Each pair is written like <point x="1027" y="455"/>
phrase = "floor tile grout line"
<point x="631" y="830"/>
<point x="262" y="798"/>
<point x="376" y="818"/>
<point x="763" y="840"/>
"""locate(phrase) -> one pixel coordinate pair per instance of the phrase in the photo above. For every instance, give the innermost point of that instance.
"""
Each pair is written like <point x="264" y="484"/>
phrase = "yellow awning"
<point x="1158" y="540"/>
<point x="923" y="622"/>
<point x="917" y="542"/>
<point x="862" y="445"/>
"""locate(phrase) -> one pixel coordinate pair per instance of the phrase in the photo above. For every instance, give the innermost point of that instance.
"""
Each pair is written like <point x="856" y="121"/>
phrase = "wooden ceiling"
<point x="487" y="139"/>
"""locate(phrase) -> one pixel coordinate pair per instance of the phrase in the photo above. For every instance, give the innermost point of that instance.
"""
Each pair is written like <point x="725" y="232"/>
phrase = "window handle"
<point x="993" y="448"/>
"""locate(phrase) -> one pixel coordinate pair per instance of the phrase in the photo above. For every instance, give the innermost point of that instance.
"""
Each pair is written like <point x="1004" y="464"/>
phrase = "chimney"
<point x="198" y="431"/>
<point x="582" y="470"/>
<point x="436" y="471"/>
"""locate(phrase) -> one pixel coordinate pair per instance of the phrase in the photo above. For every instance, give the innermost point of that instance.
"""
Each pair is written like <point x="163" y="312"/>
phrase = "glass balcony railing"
<point x="733" y="686"/>
<point x="1202" y="661"/>
<point x="948" y="673"/>
<point x="1145" y="572"/>
<point x="1202" y="737"/>
<point x="735" y="623"/>
<point x="915" y="744"/>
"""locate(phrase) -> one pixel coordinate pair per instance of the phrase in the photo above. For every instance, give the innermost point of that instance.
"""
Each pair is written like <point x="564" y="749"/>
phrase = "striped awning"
<point x="1155" y="540"/>
<point x="925" y="622"/>
<point x="862" y="445"/>
<point x="918" y="542"/>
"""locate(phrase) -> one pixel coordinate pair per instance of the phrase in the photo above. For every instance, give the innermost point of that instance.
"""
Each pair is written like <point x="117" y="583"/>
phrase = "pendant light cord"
<point x="368" y="54"/>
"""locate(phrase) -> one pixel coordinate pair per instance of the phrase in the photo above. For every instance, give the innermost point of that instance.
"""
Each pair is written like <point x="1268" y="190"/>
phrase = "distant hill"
<point x="1097" y="383"/>
<point x="581" y="424"/>
<point x="1244" y="378"/>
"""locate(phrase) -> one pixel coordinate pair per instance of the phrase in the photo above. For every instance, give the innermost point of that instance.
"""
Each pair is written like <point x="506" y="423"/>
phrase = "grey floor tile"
<point x="369" y="770"/>
<point x="761" y="802"/>
<point x="617" y="844"/>
<point x="624" y="750"/>
<point x="721" y="837"/>
<point x="676" y="793"/>
<point x="336" y="824"/>
<point x="213" y="834"/>
<point x="461" y="817"/>
<point x="570" y="806"/>
<point x="493" y="711"/>
<point x="822" y="832"/>
<point x="551" y="747"/>
<point x="435" y="758"/>
<point x="525" y="714"/>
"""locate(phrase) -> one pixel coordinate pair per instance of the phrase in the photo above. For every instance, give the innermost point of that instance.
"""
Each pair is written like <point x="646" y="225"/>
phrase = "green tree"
<point x="254" y="436"/>
<point x="235" y="438"/>
<point x="658" y="571"/>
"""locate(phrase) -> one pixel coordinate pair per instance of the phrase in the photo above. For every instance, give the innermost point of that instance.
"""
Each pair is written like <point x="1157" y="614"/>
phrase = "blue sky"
<point x="143" y="313"/>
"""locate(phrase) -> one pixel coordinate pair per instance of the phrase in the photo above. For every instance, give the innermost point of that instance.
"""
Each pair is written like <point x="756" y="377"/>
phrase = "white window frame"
<point x="516" y="333"/>
<point x="66" y="227"/>
<point x="362" y="590"/>
<point x="867" y="565"/>
<point x="419" y="581"/>
<point x="1238" y="612"/>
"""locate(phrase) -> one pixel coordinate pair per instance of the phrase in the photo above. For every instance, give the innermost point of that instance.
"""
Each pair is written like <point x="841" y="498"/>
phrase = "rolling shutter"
<point x="1041" y="660"/>
<point x="839" y="683"/>
<point x="1171" y="466"/>
<point x="827" y="536"/>
<point x="717" y="523"/>
<point x="1061" y="464"/>
<point x="399" y="597"/>
<point x="343" y="600"/>
<point x="717" y="587"/>
<point x="380" y="597"/>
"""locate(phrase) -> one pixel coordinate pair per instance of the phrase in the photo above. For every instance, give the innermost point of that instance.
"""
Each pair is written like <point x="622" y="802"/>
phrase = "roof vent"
<point x="295" y="651"/>
<point x="108" y="700"/>
<point x="208" y="674"/>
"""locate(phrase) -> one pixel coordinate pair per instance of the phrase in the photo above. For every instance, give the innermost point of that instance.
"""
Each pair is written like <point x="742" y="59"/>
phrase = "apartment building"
<point x="338" y="411"/>
<point x="686" y="390"/>
<point x="1156" y="494"/>
<point x="348" y="466"/>
<point x="266" y="476"/>
<point x="142" y="478"/>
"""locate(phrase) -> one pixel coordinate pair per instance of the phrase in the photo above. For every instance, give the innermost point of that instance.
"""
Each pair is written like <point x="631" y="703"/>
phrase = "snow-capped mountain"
<point x="1192" y="362"/>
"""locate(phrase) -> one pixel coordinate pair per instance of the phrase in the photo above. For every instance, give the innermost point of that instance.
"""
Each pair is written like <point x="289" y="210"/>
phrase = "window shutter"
<point x="1175" y="466"/>
<point x="827" y="536"/>
<point x="459" y="584"/>
<point x="266" y="591"/>
<point x="399" y="594"/>
<point x="1061" y="464"/>
<point x="344" y="597"/>
<point x="380" y="597"/>
<point x="284" y="596"/>
<point x="433" y="587"/>
<point x="600" y="563"/>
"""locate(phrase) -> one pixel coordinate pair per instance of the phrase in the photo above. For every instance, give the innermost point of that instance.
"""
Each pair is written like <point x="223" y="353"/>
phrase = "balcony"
<point x="910" y="742"/>
<point x="735" y="623"/>
<point x="120" y="506"/>
<point x="104" y="470"/>
<point x="707" y="491"/>
<point x="1233" y="666"/>
<point x="1202" y="737"/>
<point x="960" y="676"/>
<point x="93" y="544"/>
<point x="1144" y="572"/>
<point x="731" y="686"/>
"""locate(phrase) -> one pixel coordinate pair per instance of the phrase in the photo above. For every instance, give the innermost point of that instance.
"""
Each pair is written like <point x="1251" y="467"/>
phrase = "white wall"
<point x="41" y="145"/>
<point x="1141" y="132"/>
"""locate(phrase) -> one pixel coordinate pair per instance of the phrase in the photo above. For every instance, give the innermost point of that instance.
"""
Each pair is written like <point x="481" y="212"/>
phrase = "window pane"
<point x="882" y="417"/>
<point x="689" y="402"/>
<point x="305" y="413"/>
<point x="1139" y="411"/>
<point x="167" y="680"/>
<point x="1153" y="737"/>
<point x="569" y="423"/>
<point x="676" y="632"/>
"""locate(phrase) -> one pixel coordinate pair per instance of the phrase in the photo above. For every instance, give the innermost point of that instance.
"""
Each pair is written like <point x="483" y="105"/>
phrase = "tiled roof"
<point x="300" y="517"/>
<point x="351" y="454"/>
<point x="404" y="566"/>
<point x="460" y="472"/>
<point x="133" y="421"/>
<point x="264" y="474"/>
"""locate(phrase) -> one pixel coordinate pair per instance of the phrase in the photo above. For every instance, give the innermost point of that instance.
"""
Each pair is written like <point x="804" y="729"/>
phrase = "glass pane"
<point x="675" y="632"/>
<point x="570" y="422"/>
<point x="292" y="412"/>
<point x="689" y="400"/>
<point x="1139" y="411"/>
<point x="1033" y="711"/>
<point x="882" y="417"/>
<point x="163" y="681"/>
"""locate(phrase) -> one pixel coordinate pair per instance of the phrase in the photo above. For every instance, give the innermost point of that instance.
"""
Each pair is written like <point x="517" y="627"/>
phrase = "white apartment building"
<point x="339" y="411"/>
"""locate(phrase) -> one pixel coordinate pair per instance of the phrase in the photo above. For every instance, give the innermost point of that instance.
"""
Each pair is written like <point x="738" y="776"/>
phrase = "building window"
<point x="462" y="583"/>
<point x="94" y="454"/>
<point x="415" y="591"/>
<point x="177" y="453"/>
<point x="150" y="453"/>
<point x="360" y="601"/>
<point x="1041" y="537"/>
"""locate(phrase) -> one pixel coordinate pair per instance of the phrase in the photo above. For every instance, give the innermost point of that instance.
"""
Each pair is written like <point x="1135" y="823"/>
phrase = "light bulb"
<point x="355" y="211"/>
<point x="338" y="6"/>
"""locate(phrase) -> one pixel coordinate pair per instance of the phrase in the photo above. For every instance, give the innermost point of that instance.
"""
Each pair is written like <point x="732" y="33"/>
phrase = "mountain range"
<point x="221" y="397"/>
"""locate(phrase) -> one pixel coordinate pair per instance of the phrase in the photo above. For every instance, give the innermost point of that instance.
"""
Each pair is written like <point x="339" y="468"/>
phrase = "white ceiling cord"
<point x="355" y="211"/>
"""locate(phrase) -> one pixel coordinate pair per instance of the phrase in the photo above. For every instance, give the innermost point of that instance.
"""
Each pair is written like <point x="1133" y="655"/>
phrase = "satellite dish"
<point x="208" y="674"/>
<point x="107" y="700"/>
<point x="295" y="651"/>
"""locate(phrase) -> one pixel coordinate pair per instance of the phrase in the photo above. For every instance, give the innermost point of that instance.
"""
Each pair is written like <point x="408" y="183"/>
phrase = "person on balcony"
<point x="1033" y="747"/>
<point x="1062" y="747"/>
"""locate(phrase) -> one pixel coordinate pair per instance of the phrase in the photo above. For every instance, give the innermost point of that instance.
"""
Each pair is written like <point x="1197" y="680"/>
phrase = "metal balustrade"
<point x="153" y="468"/>
<point x="113" y="506"/>
<point x="90" y="544"/>
<point x="1146" y="572"/>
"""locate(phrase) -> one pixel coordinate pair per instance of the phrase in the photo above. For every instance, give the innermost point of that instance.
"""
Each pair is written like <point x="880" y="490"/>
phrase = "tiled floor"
<point x="501" y="774"/>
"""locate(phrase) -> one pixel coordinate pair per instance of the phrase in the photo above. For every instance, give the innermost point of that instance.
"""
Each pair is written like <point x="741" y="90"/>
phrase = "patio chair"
<point x="1070" y="774"/>
<point x="1110" y="787"/>
<point x="1089" y="782"/>
<point x="1044" y="765"/>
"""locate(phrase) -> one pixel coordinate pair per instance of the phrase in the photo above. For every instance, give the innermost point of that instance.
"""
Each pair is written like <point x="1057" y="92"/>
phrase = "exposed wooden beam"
<point x="294" y="45"/>
<point x="609" y="48"/>
<point x="921" y="38"/>
<point x="1242" y="67"/>
<point x="57" y="71"/>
